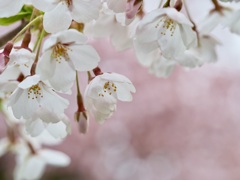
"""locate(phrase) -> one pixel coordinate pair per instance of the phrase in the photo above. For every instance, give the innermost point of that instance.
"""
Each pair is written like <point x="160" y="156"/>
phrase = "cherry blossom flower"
<point x="166" y="29"/>
<point x="65" y="53"/>
<point x="102" y="93"/>
<point x="60" y="13"/>
<point x="20" y="61"/>
<point x="57" y="126"/>
<point x="31" y="165"/>
<point x="115" y="26"/>
<point x="33" y="94"/>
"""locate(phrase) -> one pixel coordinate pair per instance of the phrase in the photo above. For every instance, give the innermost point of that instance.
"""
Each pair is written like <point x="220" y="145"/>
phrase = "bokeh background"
<point x="185" y="127"/>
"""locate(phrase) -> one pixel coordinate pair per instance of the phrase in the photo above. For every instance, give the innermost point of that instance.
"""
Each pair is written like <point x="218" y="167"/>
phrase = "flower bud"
<point x="83" y="121"/>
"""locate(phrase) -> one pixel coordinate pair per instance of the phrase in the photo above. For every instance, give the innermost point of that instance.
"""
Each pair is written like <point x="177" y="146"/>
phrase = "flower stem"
<point x="194" y="24"/>
<point x="81" y="107"/>
<point x="33" y="69"/>
<point x="26" y="27"/>
<point x="218" y="7"/>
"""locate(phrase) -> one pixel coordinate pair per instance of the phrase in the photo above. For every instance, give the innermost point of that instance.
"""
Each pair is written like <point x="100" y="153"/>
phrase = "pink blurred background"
<point x="185" y="127"/>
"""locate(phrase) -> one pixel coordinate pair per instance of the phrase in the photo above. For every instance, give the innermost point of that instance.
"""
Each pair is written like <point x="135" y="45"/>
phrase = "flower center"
<point x="35" y="92"/>
<point x="60" y="51"/>
<point x="167" y="25"/>
<point x="108" y="88"/>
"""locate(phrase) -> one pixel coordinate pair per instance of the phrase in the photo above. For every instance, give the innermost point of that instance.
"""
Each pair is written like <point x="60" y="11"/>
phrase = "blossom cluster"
<point x="37" y="72"/>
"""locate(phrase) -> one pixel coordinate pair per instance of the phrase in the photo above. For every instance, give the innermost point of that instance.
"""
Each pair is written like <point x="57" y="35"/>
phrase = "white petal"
<point x="45" y="5"/>
<point x="70" y="36"/>
<point x="3" y="146"/>
<point x="57" y="19"/>
<point x="52" y="101"/>
<point x="29" y="81"/>
<point x="59" y="130"/>
<point x="84" y="57"/>
<point x="10" y="8"/>
<point x="63" y="77"/>
<point x="85" y="11"/>
<point x="55" y="158"/>
<point x="32" y="168"/>
<point x="34" y="127"/>
<point x="46" y="65"/>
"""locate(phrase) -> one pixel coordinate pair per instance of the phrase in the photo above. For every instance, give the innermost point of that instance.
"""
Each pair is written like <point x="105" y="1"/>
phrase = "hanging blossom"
<point x="163" y="36"/>
<point x="20" y="62"/>
<point x="10" y="8"/>
<point x="56" y="126"/>
<point x="102" y="93"/>
<point x="65" y="53"/>
<point x="31" y="165"/>
<point x="32" y="94"/>
<point x="166" y="29"/>
<point x="115" y="26"/>
<point x="60" y="13"/>
<point x="205" y="52"/>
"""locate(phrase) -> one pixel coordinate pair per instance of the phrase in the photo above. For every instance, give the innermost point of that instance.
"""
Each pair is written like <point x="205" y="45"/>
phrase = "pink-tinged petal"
<point x="58" y="19"/>
<point x="46" y="65"/>
<point x="84" y="57"/>
<point x="63" y="77"/>
<point x="55" y="158"/>
<point x="132" y="9"/>
<point x="85" y="11"/>
<point x="45" y="5"/>
<point x="71" y="36"/>
<point x="117" y="6"/>
<point x="29" y="81"/>
<point x="10" y="7"/>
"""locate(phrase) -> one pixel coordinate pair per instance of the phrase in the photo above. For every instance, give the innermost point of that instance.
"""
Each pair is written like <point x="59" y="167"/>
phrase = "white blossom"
<point x="20" y="62"/>
<point x="33" y="94"/>
<point x="57" y="126"/>
<point x="102" y="93"/>
<point x="115" y="26"/>
<point x="60" y="13"/>
<point x="32" y="165"/>
<point x="65" y="53"/>
<point x="166" y="29"/>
